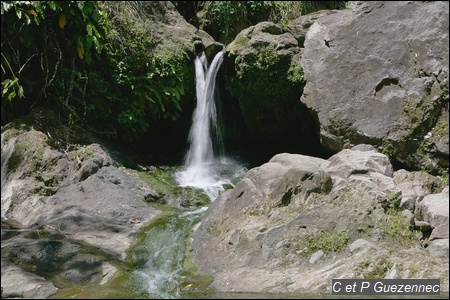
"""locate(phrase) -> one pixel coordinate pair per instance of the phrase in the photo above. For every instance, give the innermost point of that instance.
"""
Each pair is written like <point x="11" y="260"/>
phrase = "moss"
<point x="428" y="126"/>
<point x="241" y="41"/>
<point x="327" y="241"/>
<point x="16" y="157"/>
<point x="409" y="107"/>
<point x="441" y="128"/>
<point x="160" y="180"/>
<point x="267" y="87"/>
<point x="414" y="269"/>
<point x="193" y="279"/>
<point x="84" y="154"/>
<point x="443" y="178"/>
<point x="28" y="153"/>
<point x="168" y="192"/>
<point x="346" y="193"/>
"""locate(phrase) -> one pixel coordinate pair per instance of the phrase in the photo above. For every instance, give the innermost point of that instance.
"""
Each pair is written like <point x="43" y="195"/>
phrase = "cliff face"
<point x="376" y="73"/>
<point x="379" y="74"/>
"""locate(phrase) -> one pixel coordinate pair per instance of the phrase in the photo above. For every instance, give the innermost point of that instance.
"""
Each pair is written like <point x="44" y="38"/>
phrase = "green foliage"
<point x="388" y="149"/>
<point x="230" y="17"/>
<point x="146" y="83"/>
<point x="295" y="73"/>
<point x="94" y="63"/>
<point x="398" y="228"/>
<point x="394" y="224"/>
<point x="312" y="6"/>
<point x="327" y="241"/>
<point x="168" y="191"/>
<point x="12" y="88"/>
<point x="441" y="128"/>
<point x="45" y="45"/>
<point x="443" y="177"/>
<point x="392" y="202"/>
<point x="376" y="269"/>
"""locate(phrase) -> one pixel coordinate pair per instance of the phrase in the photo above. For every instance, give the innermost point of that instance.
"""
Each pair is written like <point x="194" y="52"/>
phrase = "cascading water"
<point x="161" y="256"/>
<point x="159" y="276"/>
<point x="202" y="168"/>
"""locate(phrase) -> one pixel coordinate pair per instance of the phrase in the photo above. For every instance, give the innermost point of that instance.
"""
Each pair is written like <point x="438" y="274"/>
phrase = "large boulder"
<point x="433" y="209"/>
<point x="31" y="286"/>
<point x="296" y="222"/>
<point x="378" y="74"/>
<point x="83" y="193"/>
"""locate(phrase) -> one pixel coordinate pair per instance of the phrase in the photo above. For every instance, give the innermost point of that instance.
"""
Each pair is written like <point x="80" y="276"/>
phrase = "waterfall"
<point x="202" y="168"/>
<point x="201" y="153"/>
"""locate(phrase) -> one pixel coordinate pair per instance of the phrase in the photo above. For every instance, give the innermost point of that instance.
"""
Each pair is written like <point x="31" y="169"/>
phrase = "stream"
<point x="156" y="267"/>
<point x="160" y="257"/>
<point x="158" y="264"/>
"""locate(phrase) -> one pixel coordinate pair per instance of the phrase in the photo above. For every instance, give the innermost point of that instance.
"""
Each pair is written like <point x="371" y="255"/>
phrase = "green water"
<point x="154" y="269"/>
<point x="159" y="259"/>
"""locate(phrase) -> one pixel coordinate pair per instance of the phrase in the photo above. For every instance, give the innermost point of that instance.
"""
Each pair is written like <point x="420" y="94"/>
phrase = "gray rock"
<point x="434" y="209"/>
<point x="261" y="57"/>
<point x="108" y="272"/>
<point x="360" y="244"/>
<point x="31" y="286"/>
<point x="409" y="217"/>
<point x="294" y="203"/>
<point x="414" y="186"/>
<point x="348" y="162"/>
<point x="316" y="256"/>
<point x="422" y="225"/>
<point x="392" y="273"/>
<point x="383" y="85"/>
<point x="86" y="197"/>
<point x="364" y="147"/>
<point x="439" y="247"/>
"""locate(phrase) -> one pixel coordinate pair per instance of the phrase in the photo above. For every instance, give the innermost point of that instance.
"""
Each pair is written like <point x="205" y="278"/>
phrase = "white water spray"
<point x="202" y="168"/>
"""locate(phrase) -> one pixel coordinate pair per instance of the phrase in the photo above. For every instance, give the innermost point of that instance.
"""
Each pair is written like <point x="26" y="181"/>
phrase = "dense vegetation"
<point x="225" y="19"/>
<point x="96" y="66"/>
<point x="95" y="71"/>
